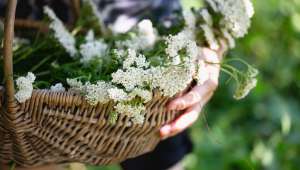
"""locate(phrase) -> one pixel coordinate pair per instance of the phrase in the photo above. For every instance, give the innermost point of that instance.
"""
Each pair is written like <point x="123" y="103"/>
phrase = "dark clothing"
<point x="110" y="10"/>
<point x="168" y="152"/>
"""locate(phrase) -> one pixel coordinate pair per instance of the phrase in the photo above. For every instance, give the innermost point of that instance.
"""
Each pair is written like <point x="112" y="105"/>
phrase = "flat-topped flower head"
<point x="133" y="111"/>
<point x="57" y="88"/>
<point x="144" y="38"/>
<point x="25" y="87"/>
<point x="92" y="49"/>
<point x="97" y="93"/>
<point x="61" y="33"/>
<point x="236" y="14"/>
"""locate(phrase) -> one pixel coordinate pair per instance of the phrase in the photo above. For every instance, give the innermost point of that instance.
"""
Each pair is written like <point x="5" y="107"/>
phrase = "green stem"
<point x="43" y="73"/>
<point x="30" y="51"/>
<point x="13" y="166"/>
<point x="230" y="74"/>
<point x="237" y="59"/>
<point x="41" y="63"/>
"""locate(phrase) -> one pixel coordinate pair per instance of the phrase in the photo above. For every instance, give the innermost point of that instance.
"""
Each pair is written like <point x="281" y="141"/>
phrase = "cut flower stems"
<point x="128" y="68"/>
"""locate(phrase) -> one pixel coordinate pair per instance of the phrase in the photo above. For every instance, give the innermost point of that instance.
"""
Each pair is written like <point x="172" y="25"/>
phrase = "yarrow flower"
<point x="118" y="94"/>
<point x="133" y="58"/>
<point x="61" y="33"/>
<point x="25" y="88"/>
<point x="75" y="84"/>
<point x="236" y="15"/>
<point x="131" y="77"/>
<point x="92" y="49"/>
<point x="145" y="95"/>
<point x="145" y="37"/>
<point x="133" y="111"/>
<point x="94" y="93"/>
<point x="244" y="88"/>
<point x="57" y="88"/>
<point x="190" y="19"/>
<point x="171" y="80"/>
<point x="247" y="83"/>
<point x="210" y="37"/>
<point x="97" y="93"/>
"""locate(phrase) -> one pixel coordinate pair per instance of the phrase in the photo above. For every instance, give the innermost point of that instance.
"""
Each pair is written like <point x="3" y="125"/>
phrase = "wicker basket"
<point x="59" y="127"/>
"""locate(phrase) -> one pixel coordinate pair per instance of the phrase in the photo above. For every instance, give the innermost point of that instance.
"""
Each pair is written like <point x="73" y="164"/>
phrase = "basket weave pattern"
<point x="63" y="127"/>
<point x="58" y="127"/>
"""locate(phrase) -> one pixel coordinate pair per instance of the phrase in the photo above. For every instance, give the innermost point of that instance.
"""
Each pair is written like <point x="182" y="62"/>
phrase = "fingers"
<point x="182" y="122"/>
<point x="198" y="94"/>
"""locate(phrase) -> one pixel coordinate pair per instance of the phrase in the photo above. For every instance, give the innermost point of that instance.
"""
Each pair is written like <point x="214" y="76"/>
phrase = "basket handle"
<point x="8" y="51"/>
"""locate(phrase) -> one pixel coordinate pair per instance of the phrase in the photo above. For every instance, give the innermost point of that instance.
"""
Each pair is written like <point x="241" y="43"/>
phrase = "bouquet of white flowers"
<point x="118" y="73"/>
<point x="127" y="68"/>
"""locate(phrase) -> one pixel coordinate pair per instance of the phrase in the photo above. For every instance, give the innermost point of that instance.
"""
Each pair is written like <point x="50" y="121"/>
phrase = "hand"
<point x="193" y="101"/>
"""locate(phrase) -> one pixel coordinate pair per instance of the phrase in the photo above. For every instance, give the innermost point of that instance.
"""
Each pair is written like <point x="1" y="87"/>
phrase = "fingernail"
<point x="165" y="130"/>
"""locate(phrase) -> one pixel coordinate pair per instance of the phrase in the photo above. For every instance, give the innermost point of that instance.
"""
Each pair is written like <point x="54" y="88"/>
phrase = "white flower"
<point x="90" y="36"/>
<point x="97" y="93"/>
<point x="192" y="50"/>
<point x="176" y="60"/>
<point x="92" y="49"/>
<point x="133" y="111"/>
<point x="141" y="61"/>
<point x="206" y="17"/>
<point x="244" y="88"/>
<point x="117" y="94"/>
<point x="145" y="37"/>
<point x="177" y="42"/>
<point x="61" y="33"/>
<point x="236" y="15"/>
<point x="190" y="19"/>
<point x="138" y="119"/>
<point x="25" y="88"/>
<point x="130" y="59"/>
<point x="171" y="80"/>
<point x="74" y="83"/>
<point x="145" y="27"/>
<point x="131" y="78"/>
<point x="147" y="33"/>
<point x="145" y="95"/>
<point x="123" y="24"/>
<point x="228" y="37"/>
<point x="210" y="36"/>
<point x="249" y="8"/>
<point x="57" y="88"/>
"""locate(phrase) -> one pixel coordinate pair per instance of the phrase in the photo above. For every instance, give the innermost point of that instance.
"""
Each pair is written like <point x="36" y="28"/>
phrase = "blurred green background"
<point x="263" y="130"/>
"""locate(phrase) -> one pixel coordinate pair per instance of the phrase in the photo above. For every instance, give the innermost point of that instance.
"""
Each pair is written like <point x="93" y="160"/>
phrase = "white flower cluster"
<point x="25" y="88"/>
<point x="132" y="85"/>
<point x="94" y="93"/>
<point x="131" y="77"/>
<point x="92" y="49"/>
<point x="57" y="88"/>
<point x="236" y="15"/>
<point x="61" y="33"/>
<point x="103" y="92"/>
<point x="171" y="80"/>
<point x="132" y="58"/>
<point x="145" y="37"/>
<point x="136" y="112"/>
<point x="247" y="84"/>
